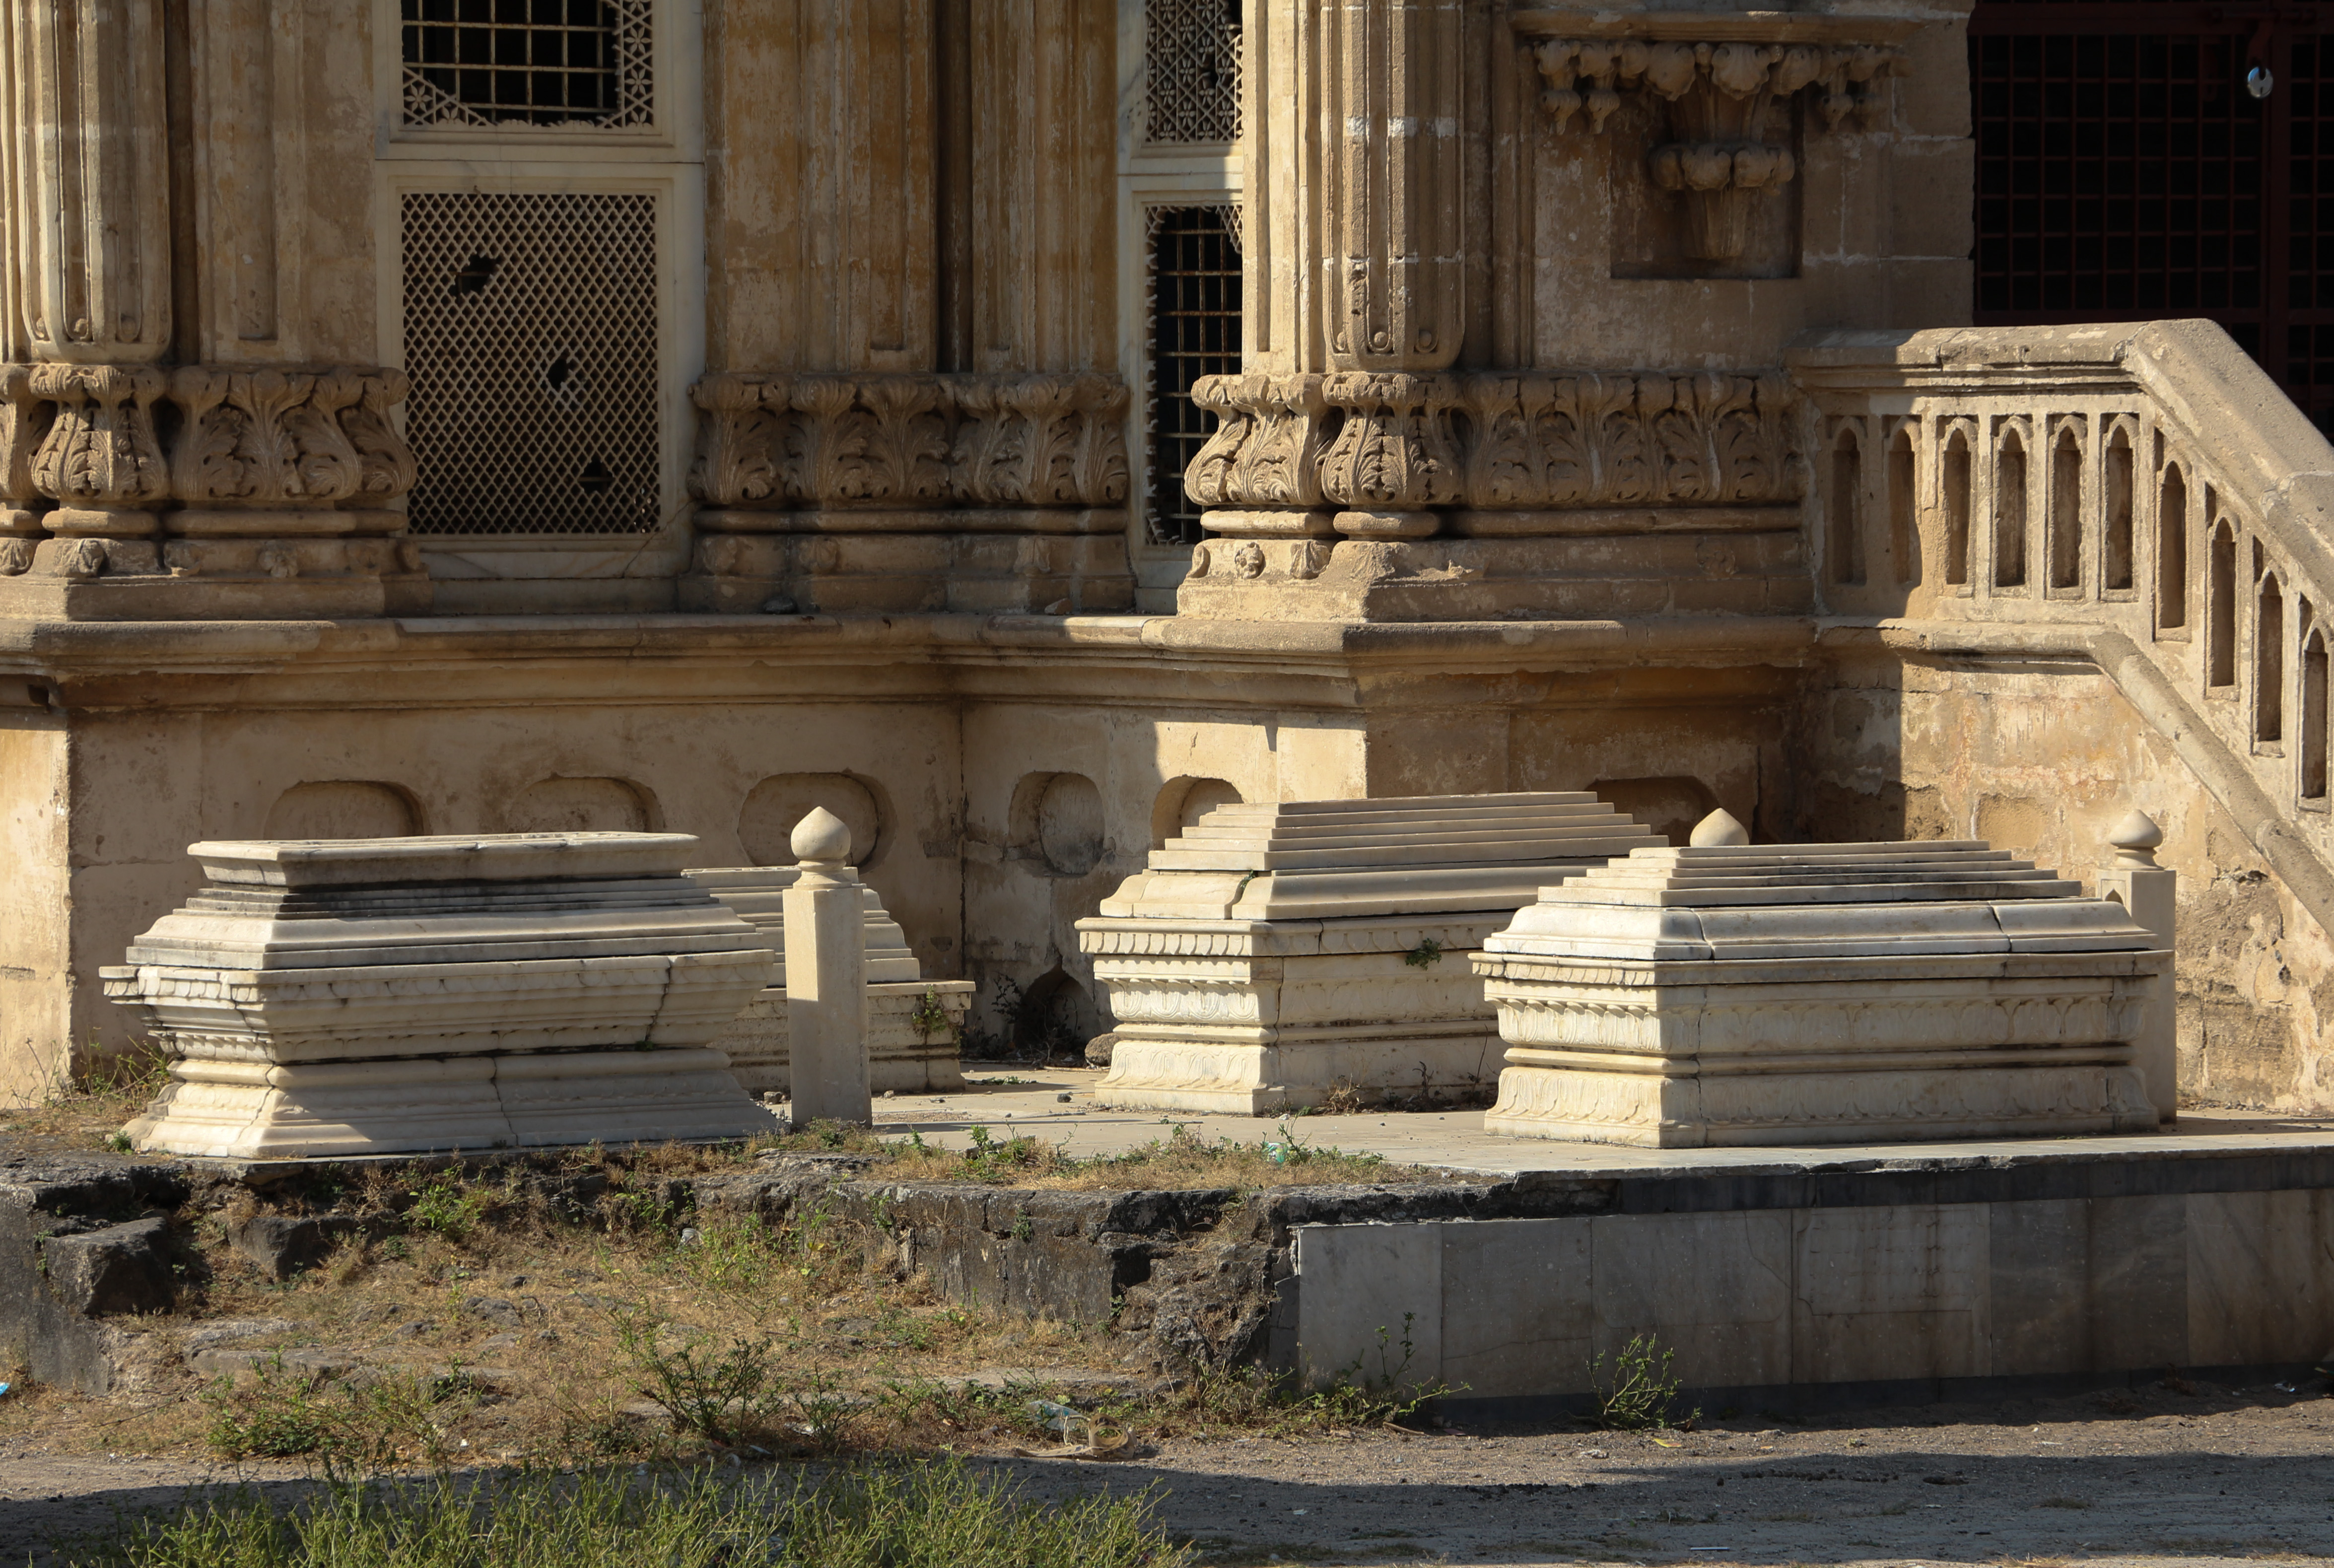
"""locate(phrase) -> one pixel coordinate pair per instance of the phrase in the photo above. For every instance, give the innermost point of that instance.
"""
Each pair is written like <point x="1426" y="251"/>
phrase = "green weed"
<point x="1638" y="1390"/>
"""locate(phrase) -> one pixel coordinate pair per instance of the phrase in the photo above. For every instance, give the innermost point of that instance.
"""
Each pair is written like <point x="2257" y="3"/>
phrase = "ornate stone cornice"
<point x="770" y="441"/>
<point x="1499" y="441"/>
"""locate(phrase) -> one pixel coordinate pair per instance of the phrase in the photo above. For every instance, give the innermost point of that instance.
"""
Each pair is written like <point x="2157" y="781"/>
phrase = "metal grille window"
<point x="2127" y="169"/>
<point x="1194" y="305"/>
<point x="489" y="63"/>
<point x="1190" y="62"/>
<point x="530" y="342"/>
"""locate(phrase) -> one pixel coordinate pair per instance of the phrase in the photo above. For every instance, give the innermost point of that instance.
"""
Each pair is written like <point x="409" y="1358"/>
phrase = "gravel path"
<point x="2216" y="1476"/>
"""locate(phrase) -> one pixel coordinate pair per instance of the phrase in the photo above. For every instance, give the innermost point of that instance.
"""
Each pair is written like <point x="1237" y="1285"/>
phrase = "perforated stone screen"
<point x="1194" y="307"/>
<point x="488" y="63"/>
<point x="1190" y="59"/>
<point x="531" y="340"/>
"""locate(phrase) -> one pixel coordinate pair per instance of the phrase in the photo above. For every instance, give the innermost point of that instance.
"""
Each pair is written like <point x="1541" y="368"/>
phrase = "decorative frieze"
<point x="273" y="439"/>
<point x="1499" y="442"/>
<point x="910" y="442"/>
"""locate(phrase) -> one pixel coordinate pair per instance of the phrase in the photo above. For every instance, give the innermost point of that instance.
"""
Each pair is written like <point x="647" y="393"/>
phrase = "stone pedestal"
<point x="913" y="1025"/>
<point x="1820" y="994"/>
<point x="385" y="996"/>
<point x="826" y="964"/>
<point x="1276" y="955"/>
<point x="2151" y="892"/>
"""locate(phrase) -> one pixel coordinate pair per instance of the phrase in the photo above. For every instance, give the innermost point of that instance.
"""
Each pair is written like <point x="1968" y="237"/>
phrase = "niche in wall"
<point x="767" y="823"/>
<point x="342" y="809"/>
<point x="582" y="805"/>
<point x="1670" y="806"/>
<point x="1058" y="821"/>
<point x="1184" y="800"/>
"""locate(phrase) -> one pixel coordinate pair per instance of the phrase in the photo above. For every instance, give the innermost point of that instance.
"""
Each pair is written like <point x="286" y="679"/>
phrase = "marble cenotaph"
<point x="1276" y="955"/>
<point x="1858" y="993"/>
<point x="375" y="995"/>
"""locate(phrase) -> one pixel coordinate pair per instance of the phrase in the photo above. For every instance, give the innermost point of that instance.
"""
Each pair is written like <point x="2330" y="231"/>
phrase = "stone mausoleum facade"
<point x="1022" y="428"/>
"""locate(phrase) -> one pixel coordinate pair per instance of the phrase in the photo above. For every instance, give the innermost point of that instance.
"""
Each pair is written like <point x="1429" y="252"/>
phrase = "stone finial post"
<point x="1719" y="830"/>
<point x="827" y="976"/>
<point x="2147" y="890"/>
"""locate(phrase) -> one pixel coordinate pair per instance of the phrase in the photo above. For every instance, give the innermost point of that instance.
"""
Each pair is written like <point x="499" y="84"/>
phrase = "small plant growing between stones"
<point x="1639" y="1388"/>
<point x="1425" y="956"/>
<point x="929" y="1017"/>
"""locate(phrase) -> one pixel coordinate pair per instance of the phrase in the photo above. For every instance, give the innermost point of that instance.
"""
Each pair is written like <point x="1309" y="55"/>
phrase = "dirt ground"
<point x="2160" y="1475"/>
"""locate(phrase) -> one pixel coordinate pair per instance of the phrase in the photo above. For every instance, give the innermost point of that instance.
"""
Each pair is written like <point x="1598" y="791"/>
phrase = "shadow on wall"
<point x="344" y="809"/>
<point x="1670" y="806"/>
<point x="1184" y="800"/>
<point x="582" y="805"/>
<point x="765" y="824"/>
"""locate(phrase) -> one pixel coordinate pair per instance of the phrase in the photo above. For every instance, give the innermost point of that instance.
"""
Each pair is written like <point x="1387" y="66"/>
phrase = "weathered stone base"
<point x="252" y="1110"/>
<point x="1642" y="1104"/>
<point x="2032" y="1051"/>
<point x="1451" y="1058"/>
<point x="1744" y="561"/>
<point x="899" y="1056"/>
<point x="966" y="571"/>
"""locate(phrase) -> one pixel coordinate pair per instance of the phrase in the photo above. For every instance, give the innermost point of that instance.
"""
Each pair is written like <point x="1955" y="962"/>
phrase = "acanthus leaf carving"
<point x="1394" y="448"/>
<point x="102" y="452"/>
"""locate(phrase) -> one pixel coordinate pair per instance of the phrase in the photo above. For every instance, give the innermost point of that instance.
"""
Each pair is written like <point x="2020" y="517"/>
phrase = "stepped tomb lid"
<point x="1312" y="860"/>
<point x="1903" y="899"/>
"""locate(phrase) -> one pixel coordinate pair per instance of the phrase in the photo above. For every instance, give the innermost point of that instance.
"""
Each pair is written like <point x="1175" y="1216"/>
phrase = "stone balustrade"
<point x="2141" y="496"/>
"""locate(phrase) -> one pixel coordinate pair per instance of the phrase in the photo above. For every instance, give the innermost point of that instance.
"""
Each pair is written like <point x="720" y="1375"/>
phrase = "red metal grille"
<point x="2126" y="172"/>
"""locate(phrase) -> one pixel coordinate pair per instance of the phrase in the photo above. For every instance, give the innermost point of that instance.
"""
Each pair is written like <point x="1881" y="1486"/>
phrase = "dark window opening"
<point x="1195" y="331"/>
<point x="487" y="62"/>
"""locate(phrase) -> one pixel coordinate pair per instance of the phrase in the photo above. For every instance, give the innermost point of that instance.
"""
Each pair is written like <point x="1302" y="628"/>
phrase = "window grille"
<point x="1193" y="300"/>
<point x="1191" y="70"/>
<point x="531" y="343"/>
<point x="489" y="63"/>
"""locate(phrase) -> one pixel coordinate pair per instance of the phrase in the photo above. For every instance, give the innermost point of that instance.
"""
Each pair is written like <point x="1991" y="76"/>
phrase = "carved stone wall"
<point x="936" y="473"/>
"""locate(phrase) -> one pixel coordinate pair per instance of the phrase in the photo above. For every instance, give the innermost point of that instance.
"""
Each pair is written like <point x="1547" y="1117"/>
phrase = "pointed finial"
<point x="822" y="837"/>
<point x="2134" y="840"/>
<point x="1718" y="829"/>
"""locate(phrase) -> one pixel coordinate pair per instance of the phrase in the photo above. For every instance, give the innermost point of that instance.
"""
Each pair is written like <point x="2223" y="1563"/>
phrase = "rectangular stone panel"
<point x="1357" y="1283"/>
<point x="2088" y="1284"/>
<point x="1715" y="1287"/>
<point x="1517" y="1307"/>
<point x="1888" y="1293"/>
<point x="2261" y="1277"/>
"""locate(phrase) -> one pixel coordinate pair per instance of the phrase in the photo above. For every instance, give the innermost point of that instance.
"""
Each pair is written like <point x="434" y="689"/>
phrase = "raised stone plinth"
<point x="1276" y="955"/>
<point x="1726" y="994"/>
<point x="912" y="1042"/>
<point x="375" y="995"/>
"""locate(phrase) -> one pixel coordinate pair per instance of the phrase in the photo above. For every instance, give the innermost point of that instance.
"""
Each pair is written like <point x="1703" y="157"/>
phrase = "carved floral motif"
<point x="910" y="441"/>
<point x="1530" y="441"/>
<point x="101" y="452"/>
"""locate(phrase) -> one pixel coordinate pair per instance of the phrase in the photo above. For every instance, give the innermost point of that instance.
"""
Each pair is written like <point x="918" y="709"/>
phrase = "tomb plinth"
<point x="377" y="996"/>
<point x="1276" y="955"/>
<point x="1725" y="994"/>
<point x="913" y="1025"/>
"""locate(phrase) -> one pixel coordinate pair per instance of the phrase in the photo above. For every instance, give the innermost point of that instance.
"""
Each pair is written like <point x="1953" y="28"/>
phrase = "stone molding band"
<point x="770" y="442"/>
<point x="1394" y="445"/>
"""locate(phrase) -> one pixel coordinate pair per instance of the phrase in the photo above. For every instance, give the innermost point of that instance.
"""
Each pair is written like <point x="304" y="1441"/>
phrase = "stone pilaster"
<point x="200" y="491"/>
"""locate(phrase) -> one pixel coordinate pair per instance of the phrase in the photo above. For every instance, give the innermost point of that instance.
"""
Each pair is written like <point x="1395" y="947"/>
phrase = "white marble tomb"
<point x="1276" y="954"/>
<point x="1726" y="994"/>
<point x="374" y="996"/>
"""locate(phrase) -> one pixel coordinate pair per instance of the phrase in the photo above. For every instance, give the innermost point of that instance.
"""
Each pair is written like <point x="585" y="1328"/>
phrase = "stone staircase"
<point x="2140" y="497"/>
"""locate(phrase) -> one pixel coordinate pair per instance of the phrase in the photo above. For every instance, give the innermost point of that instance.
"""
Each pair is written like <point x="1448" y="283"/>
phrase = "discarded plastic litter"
<point x="5" y="1387"/>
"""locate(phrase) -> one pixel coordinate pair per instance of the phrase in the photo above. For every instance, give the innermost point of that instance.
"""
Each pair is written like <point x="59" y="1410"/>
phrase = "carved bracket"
<point x="772" y="441"/>
<point x="1718" y="74"/>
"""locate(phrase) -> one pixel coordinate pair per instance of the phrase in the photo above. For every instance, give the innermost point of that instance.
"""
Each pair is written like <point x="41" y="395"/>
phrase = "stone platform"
<point x="1888" y="1271"/>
